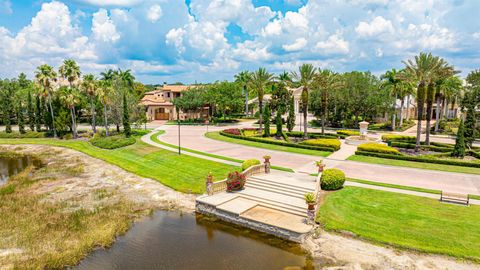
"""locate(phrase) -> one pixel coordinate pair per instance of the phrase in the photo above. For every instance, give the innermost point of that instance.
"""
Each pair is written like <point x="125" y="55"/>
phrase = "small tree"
<point x="459" y="150"/>
<point x="279" y="124"/>
<point x="38" y="114"/>
<point x="21" y="119"/>
<point x="266" y="117"/>
<point x="31" y="114"/>
<point x="126" y="117"/>
<point x="470" y="122"/>
<point x="291" y="114"/>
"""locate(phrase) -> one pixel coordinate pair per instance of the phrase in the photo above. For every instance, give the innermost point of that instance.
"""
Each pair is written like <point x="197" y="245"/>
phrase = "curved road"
<point x="193" y="137"/>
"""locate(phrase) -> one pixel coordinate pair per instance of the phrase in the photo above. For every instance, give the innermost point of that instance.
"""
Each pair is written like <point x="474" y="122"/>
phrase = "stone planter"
<point x="321" y="167"/>
<point x="311" y="206"/>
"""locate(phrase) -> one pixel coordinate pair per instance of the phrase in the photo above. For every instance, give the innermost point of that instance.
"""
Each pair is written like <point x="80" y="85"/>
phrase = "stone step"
<point x="288" y="208"/>
<point x="275" y="189"/>
<point x="282" y="184"/>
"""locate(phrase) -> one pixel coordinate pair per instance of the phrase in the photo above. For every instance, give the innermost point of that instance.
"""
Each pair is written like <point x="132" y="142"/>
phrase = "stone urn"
<point x="320" y="166"/>
<point x="267" y="163"/>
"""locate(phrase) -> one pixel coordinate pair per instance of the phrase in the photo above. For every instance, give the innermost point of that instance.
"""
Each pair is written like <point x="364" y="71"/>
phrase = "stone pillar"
<point x="363" y="129"/>
<point x="209" y="184"/>
<point x="267" y="164"/>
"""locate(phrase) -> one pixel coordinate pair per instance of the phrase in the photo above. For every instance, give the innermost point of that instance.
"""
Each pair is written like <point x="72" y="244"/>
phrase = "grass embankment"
<point x="45" y="234"/>
<point x="404" y="220"/>
<point x="154" y="138"/>
<point x="413" y="164"/>
<point x="216" y="136"/>
<point x="180" y="172"/>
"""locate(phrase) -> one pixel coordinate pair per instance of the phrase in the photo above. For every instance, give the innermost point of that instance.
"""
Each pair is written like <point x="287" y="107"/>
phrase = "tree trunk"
<point x="51" y="113"/>
<point x="305" y="112"/>
<point x="442" y="108"/>
<point x="445" y="107"/>
<point x="420" y="106"/>
<point x="408" y="108"/>
<point x="246" y="99"/>
<point x="72" y="113"/>
<point x="437" y="114"/>
<point x="402" y="104"/>
<point x="260" y="120"/>
<point x="394" y="115"/>
<point x="430" y="98"/>
<point x="105" y="119"/>
<point x="94" y="115"/>
<point x="323" y="123"/>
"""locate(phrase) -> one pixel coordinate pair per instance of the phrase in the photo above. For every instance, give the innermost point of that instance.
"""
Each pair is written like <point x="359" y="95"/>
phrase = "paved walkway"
<point x="193" y="138"/>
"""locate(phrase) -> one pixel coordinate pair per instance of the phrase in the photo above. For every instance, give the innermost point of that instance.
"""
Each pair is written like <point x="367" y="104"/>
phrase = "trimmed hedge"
<point x="313" y="135"/>
<point x="434" y="148"/>
<point x="332" y="179"/>
<point x="281" y="143"/>
<point x="333" y="143"/>
<point x="474" y="154"/>
<point x="348" y="132"/>
<point x="419" y="159"/>
<point x="249" y="163"/>
<point x="395" y="137"/>
<point x="377" y="148"/>
<point x="18" y="135"/>
<point x="112" y="142"/>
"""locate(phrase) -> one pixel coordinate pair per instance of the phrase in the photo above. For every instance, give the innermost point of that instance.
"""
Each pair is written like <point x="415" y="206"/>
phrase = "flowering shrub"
<point x="235" y="181"/>
<point x="233" y="131"/>
<point x="377" y="148"/>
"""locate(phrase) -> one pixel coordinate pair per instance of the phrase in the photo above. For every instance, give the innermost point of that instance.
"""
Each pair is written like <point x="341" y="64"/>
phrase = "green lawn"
<point x="413" y="164"/>
<point x="404" y="220"/>
<point x="183" y="173"/>
<point x="216" y="136"/>
<point x="154" y="137"/>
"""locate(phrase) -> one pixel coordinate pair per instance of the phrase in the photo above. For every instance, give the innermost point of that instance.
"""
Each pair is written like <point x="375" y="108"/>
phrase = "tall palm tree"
<point x="452" y="89"/>
<point x="89" y="87"/>
<point x="391" y="82"/>
<point x="284" y="77"/>
<point x="305" y="77"/>
<point x="105" y="90"/>
<point x="107" y="75"/>
<point x="70" y="98"/>
<point x="326" y="81"/>
<point x="405" y="91"/>
<point x="70" y="70"/>
<point x="259" y="81"/>
<point x="45" y="77"/>
<point x="421" y="69"/>
<point x="243" y="79"/>
<point x="127" y="81"/>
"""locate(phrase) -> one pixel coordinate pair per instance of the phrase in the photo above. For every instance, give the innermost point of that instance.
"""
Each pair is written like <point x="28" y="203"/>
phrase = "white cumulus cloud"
<point x="154" y="13"/>
<point x="299" y="44"/>
<point x="377" y="26"/>
<point x="333" y="45"/>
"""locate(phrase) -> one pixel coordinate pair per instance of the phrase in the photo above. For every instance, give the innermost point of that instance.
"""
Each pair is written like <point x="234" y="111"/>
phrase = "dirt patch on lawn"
<point x="337" y="251"/>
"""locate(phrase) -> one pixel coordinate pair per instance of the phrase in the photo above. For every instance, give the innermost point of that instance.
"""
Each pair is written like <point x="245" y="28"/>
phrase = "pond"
<point x="169" y="240"/>
<point x="11" y="165"/>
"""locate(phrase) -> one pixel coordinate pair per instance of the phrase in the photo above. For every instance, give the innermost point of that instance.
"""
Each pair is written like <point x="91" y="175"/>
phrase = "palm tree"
<point x="45" y="76"/>
<point x="259" y="81"/>
<point x="326" y="81"/>
<point x="391" y="82"/>
<point x="452" y="89"/>
<point x="104" y="91"/>
<point x="70" y="98"/>
<point x="305" y="77"/>
<point x="284" y="77"/>
<point x="243" y="78"/>
<point x="89" y="87"/>
<point x="70" y="71"/>
<point x="127" y="81"/>
<point x="421" y="69"/>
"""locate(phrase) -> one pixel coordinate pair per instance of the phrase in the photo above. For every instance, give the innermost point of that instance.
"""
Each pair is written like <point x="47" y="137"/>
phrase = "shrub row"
<point x="331" y="143"/>
<point x="299" y="134"/>
<point x="434" y="148"/>
<point x="17" y="135"/>
<point x="395" y="137"/>
<point x="281" y="143"/>
<point x="474" y="154"/>
<point x="112" y="142"/>
<point x="419" y="159"/>
<point x="348" y="132"/>
<point x="233" y="131"/>
<point x="378" y="148"/>
<point x="249" y="163"/>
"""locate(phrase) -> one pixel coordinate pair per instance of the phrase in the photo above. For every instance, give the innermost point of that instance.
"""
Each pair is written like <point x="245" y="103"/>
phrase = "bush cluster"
<point x="419" y="159"/>
<point x="112" y="142"/>
<point x="249" y="163"/>
<point x="394" y="137"/>
<point x="407" y="145"/>
<point x="378" y="148"/>
<point x="281" y="143"/>
<point x="313" y="135"/>
<point x="17" y="135"/>
<point x="331" y="143"/>
<point x="233" y="131"/>
<point x="348" y="132"/>
<point x="332" y="179"/>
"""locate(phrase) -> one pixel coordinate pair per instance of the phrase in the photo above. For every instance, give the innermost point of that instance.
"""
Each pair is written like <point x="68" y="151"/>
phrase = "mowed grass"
<point x="413" y="164"/>
<point x="404" y="220"/>
<point x="180" y="172"/>
<point x="216" y="136"/>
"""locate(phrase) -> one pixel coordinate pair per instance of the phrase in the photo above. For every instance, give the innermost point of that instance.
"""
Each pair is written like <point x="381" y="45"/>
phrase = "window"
<point x="168" y="94"/>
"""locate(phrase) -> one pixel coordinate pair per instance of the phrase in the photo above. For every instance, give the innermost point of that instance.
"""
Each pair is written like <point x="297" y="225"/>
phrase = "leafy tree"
<point x="38" y="113"/>
<point x="305" y="78"/>
<point x="104" y="93"/>
<point x="45" y="75"/>
<point x="225" y="97"/>
<point x="89" y="87"/>
<point x="20" y="118"/>
<point x="8" y="91"/>
<point x="70" y="97"/>
<point x="325" y="83"/>
<point x="266" y="116"/>
<point x="291" y="114"/>
<point x="126" y="117"/>
<point x="30" y="110"/>
<point x="459" y="149"/>
<point x="243" y="79"/>
<point x="391" y="81"/>
<point x="279" y="103"/>
<point x="260" y="80"/>
<point x="469" y="103"/>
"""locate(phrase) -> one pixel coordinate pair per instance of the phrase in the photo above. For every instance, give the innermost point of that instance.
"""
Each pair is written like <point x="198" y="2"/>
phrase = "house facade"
<point x="159" y="104"/>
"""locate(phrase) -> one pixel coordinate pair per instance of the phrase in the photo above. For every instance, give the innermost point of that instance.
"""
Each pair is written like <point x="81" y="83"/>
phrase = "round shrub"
<point x="249" y="163"/>
<point x="348" y="132"/>
<point x="331" y="143"/>
<point x="377" y="148"/>
<point x="332" y="179"/>
<point x="112" y="142"/>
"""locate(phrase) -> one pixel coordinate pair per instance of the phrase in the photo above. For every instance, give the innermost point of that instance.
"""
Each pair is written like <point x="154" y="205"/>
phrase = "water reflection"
<point x="10" y="166"/>
<point x="170" y="240"/>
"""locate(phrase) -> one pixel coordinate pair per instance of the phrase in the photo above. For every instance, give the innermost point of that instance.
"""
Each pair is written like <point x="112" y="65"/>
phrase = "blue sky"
<point x="204" y="41"/>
